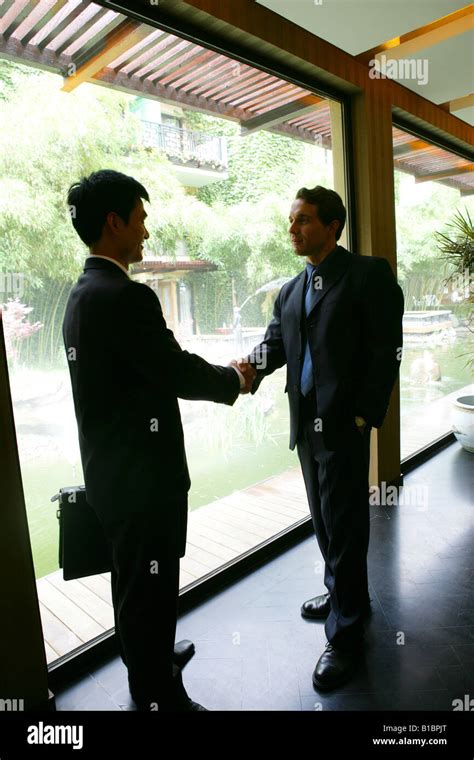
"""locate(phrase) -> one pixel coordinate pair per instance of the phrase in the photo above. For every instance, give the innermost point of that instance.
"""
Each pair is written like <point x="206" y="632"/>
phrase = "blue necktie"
<point x="307" y="380"/>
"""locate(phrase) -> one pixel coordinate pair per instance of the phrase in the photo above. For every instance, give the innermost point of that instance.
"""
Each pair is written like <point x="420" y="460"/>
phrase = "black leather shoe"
<point x="335" y="667"/>
<point x="317" y="608"/>
<point x="194" y="707"/>
<point x="183" y="651"/>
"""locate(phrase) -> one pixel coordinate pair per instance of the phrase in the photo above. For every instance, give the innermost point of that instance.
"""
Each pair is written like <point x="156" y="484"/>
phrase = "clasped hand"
<point x="248" y="372"/>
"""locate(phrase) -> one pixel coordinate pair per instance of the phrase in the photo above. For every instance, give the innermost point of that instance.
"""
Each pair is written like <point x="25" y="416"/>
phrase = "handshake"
<point x="247" y="371"/>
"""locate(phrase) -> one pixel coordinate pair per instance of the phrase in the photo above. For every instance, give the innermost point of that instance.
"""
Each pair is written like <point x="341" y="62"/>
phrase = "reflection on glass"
<point x="438" y="341"/>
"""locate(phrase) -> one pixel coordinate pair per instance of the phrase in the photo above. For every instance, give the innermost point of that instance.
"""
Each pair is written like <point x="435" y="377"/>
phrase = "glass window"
<point x="434" y="212"/>
<point x="221" y="187"/>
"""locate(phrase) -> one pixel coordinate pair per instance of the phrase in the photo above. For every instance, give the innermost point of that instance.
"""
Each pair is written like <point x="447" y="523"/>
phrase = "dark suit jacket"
<point x="355" y="339"/>
<point x="127" y="371"/>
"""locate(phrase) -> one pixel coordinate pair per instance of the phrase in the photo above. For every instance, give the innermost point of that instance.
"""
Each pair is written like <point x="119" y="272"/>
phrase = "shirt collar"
<point x="107" y="258"/>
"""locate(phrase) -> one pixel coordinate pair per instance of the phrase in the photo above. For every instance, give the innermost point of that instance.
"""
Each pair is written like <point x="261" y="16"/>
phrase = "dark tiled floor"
<point x="255" y="652"/>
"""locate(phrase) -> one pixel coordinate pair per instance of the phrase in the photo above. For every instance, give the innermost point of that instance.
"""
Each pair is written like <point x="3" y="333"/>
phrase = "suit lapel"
<point x="297" y="298"/>
<point x="330" y="273"/>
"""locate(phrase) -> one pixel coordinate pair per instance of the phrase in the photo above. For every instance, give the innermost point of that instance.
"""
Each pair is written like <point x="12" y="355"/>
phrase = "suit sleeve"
<point x="150" y="346"/>
<point x="383" y="337"/>
<point x="269" y="355"/>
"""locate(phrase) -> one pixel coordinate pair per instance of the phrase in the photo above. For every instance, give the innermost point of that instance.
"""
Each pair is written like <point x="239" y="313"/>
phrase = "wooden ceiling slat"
<point x="44" y="11"/>
<point x="195" y="61"/>
<point x="286" y="93"/>
<point x="166" y="94"/>
<point x="262" y="92"/>
<point x="411" y="146"/>
<point x="173" y="64"/>
<point x="315" y="116"/>
<point x="76" y="25"/>
<point x="125" y="35"/>
<point x="138" y="53"/>
<point x="276" y="102"/>
<point x="237" y="73"/>
<point x="222" y="82"/>
<point x="176" y="66"/>
<point x="212" y="60"/>
<point x="309" y="123"/>
<point x="201" y="83"/>
<point x="444" y="174"/>
<point x="227" y="96"/>
<point x="95" y="34"/>
<point x="6" y="5"/>
<point x="203" y="75"/>
<point x="166" y="46"/>
<point x="168" y="60"/>
<point x="58" y="23"/>
<point x="12" y="19"/>
<point x="244" y="80"/>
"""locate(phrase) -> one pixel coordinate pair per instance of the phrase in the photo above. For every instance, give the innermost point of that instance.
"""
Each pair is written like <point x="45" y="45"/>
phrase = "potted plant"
<point x="457" y="250"/>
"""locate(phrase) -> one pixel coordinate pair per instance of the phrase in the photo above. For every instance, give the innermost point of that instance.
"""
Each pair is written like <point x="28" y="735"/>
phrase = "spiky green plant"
<point x="457" y="251"/>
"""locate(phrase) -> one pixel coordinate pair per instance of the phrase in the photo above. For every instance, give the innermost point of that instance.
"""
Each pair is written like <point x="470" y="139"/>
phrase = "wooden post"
<point x="375" y="219"/>
<point x="23" y="668"/>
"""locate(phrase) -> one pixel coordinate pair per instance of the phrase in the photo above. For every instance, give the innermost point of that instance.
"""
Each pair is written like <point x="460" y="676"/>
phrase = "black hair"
<point x="91" y="199"/>
<point x="329" y="205"/>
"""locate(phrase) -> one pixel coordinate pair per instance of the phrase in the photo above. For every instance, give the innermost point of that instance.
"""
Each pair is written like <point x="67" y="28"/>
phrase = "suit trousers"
<point x="337" y="486"/>
<point x="145" y="590"/>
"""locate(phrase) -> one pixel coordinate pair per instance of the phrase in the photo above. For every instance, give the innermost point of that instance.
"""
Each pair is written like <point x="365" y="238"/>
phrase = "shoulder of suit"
<point x="369" y="263"/>
<point x="137" y="291"/>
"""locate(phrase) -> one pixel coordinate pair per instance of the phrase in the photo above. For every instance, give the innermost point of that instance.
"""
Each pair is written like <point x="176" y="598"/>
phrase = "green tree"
<point x="260" y="164"/>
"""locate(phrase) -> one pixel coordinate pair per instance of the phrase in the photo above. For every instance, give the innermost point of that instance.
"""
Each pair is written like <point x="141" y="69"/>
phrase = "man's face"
<point x="309" y="236"/>
<point x="134" y="233"/>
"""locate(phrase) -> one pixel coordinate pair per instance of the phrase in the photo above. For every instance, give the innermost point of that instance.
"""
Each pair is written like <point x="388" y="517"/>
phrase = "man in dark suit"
<point x="338" y="328"/>
<point x="127" y="372"/>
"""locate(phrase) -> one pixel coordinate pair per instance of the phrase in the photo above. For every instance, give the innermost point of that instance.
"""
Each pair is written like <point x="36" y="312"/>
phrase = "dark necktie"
<point x="307" y="380"/>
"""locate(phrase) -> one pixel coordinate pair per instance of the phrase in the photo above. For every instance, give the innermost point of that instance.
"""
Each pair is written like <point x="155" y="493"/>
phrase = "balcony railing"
<point x="184" y="147"/>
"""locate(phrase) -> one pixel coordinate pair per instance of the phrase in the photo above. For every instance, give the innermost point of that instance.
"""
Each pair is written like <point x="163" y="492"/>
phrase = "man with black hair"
<point x="127" y="372"/>
<point x="338" y="328"/>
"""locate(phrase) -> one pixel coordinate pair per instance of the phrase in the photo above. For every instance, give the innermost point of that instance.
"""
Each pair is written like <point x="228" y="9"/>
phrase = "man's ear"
<point x="113" y="222"/>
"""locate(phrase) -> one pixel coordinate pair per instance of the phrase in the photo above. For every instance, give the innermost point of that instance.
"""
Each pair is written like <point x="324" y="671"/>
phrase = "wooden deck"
<point x="74" y="612"/>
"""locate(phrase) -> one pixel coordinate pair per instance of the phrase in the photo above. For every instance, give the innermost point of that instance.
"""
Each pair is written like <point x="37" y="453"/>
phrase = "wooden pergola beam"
<point x="409" y="147"/>
<point x="166" y="94"/>
<point x="445" y="174"/>
<point x="459" y="103"/>
<point x="289" y="111"/>
<point x="171" y="96"/>
<point x="424" y="37"/>
<point x="302" y="134"/>
<point x="125" y="36"/>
